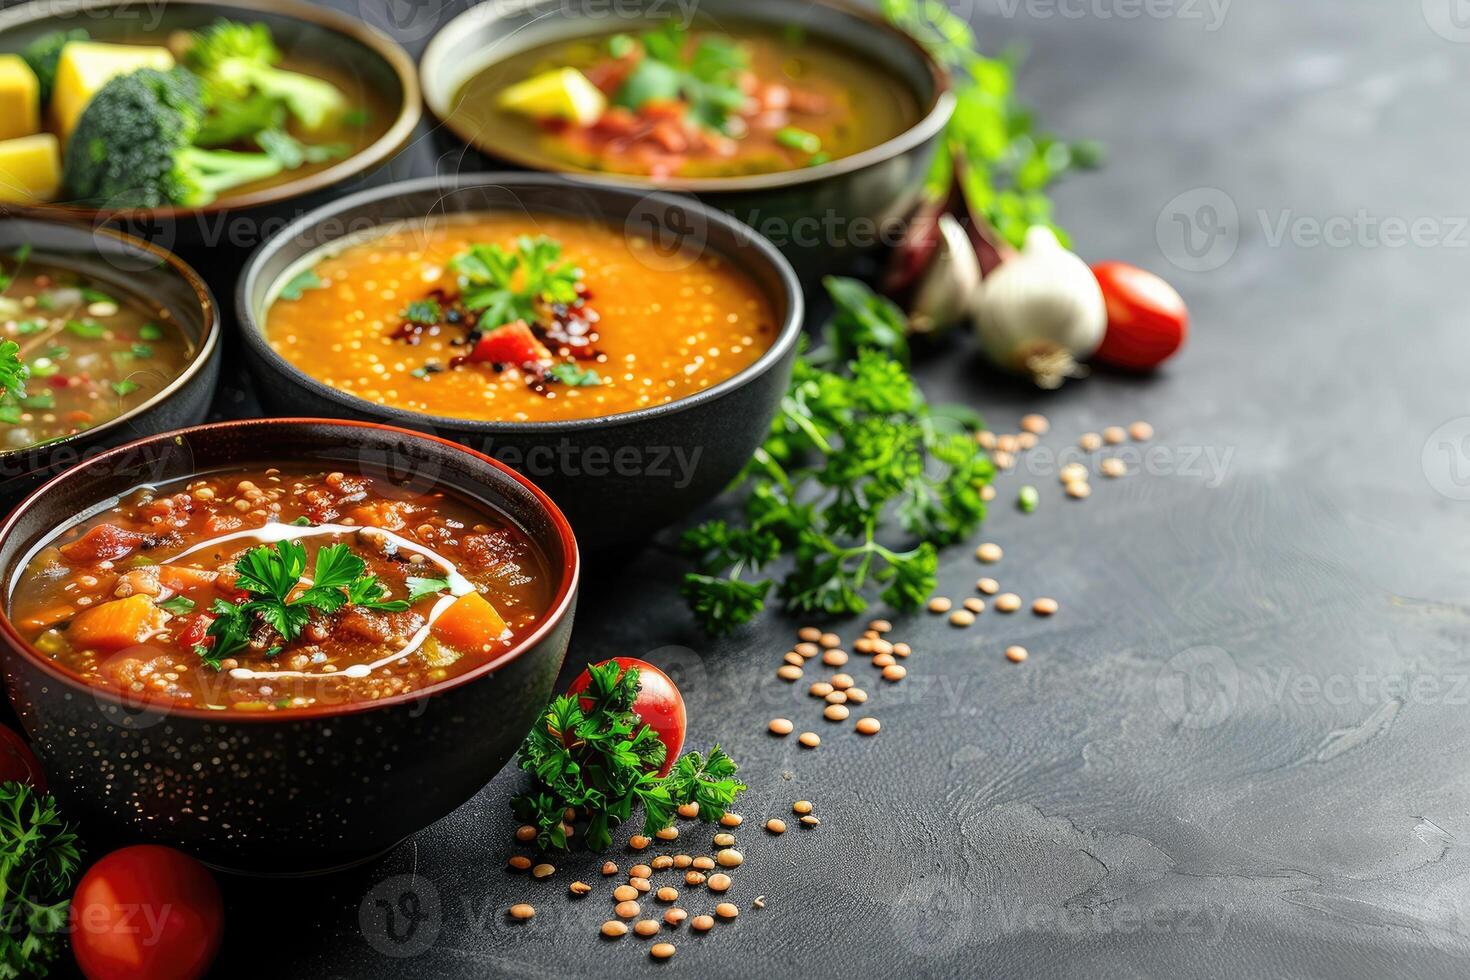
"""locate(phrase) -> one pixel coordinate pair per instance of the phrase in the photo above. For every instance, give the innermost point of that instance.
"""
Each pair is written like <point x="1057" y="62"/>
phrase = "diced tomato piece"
<point x="513" y="343"/>
<point x="105" y="542"/>
<point x="670" y="135"/>
<point x="194" y="631"/>
<point x="617" y="121"/>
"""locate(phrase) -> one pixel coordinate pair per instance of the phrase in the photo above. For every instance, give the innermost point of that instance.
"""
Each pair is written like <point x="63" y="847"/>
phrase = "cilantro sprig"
<point x="13" y="373"/>
<point x="39" y="859"/>
<point x="856" y="457"/>
<point x="505" y="285"/>
<point x="601" y="760"/>
<point x="270" y="574"/>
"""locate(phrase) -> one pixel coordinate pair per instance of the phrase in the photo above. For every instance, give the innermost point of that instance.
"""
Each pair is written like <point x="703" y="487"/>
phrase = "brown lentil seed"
<point x="519" y="862"/>
<point x="989" y="552"/>
<point x="543" y="871"/>
<point x="810" y="821"/>
<point x="726" y="910"/>
<point x="788" y="673"/>
<point x="781" y="726"/>
<point x="675" y="917"/>
<point x="682" y="861"/>
<point x="880" y="626"/>
<point x="1045" y="606"/>
<point x="895" y="672"/>
<point x="1007" y="443"/>
<point x="776" y="826"/>
<point x="989" y="586"/>
<point x="802" y="806"/>
<point x="613" y="929"/>
<point x="834" y="658"/>
<point x="863" y="645"/>
<point x="688" y="810"/>
<point x="526" y="833"/>
<point x="810" y="739"/>
<point x="728" y="819"/>
<point x="830" y="640"/>
<point x="1072" y="473"/>
<point x="1002" y="459"/>
<point x="1113" y="468"/>
<point x="939" y="604"/>
<point x="1035" y="424"/>
<point x="638" y="842"/>
<point x="704" y="862"/>
<point x="809" y="634"/>
<point x="960" y="617"/>
<point x="1015" y="654"/>
<point x="835" y="712"/>
<point x="729" y="858"/>
<point x="719" y="883"/>
<point x="867" y="726"/>
<point x="625" y="893"/>
<point x="882" y="646"/>
<point x="1114" y="435"/>
<point x="856" y="695"/>
<point x="1007" y="602"/>
<point x="1079" y="490"/>
<point x="1090" y="442"/>
<point x="884" y="659"/>
<point x="794" y="659"/>
<point x="724" y="840"/>
<point x="662" y="951"/>
<point x="646" y="927"/>
<point x="609" y="868"/>
<point x="695" y="878"/>
<point x="820" y="689"/>
<point x="662" y="863"/>
<point x="639" y="871"/>
<point x="667" y="833"/>
<point x="667" y="894"/>
<point x="807" y="650"/>
<point x="1141" y="431"/>
<point x="837" y="697"/>
<point x="902" y="649"/>
<point x="521" y="912"/>
<point x="985" y="439"/>
<point x="987" y="492"/>
<point x="626" y="910"/>
<point x="759" y="903"/>
<point x="975" y="604"/>
<point x="702" y="923"/>
<point x="579" y="888"/>
<point x="842" y="681"/>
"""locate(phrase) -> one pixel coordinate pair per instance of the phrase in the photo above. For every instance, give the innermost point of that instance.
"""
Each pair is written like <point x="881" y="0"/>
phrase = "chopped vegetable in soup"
<point x="516" y="318"/>
<point x="686" y="102"/>
<point x="266" y="589"/>
<point x="76" y="352"/>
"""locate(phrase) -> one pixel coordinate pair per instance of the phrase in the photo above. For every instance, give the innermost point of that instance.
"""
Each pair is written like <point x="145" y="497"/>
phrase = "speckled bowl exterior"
<point x="618" y="478"/>
<point x="283" y="793"/>
<point x="130" y="266"/>
<point x="824" y="219"/>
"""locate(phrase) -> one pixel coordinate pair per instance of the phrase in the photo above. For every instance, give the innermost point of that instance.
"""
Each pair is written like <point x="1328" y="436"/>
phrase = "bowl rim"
<point x="560" y="608"/>
<point x="933" y="120"/>
<point x="254" y="333"/>
<point x="381" y="150"/>
<point x="212" y="338"/>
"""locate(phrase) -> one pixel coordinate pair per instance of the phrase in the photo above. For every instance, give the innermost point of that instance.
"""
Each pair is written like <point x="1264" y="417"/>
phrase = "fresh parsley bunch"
<point x="39" y="858"/>
<point x="855" y="451"/>
<point x="601" y="760"/>
<point x="504" y="285"/>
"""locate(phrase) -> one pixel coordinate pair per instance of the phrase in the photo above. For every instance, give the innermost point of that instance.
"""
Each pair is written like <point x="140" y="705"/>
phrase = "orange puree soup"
<point x="518" y="318"/>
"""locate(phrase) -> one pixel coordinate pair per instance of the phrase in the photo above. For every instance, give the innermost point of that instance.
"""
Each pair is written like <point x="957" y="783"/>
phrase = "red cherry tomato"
<point x="146" y="913"/>
<point x="659" y="704"/>
<point x="1147" y="319"/>
<point x="18" y="763"/>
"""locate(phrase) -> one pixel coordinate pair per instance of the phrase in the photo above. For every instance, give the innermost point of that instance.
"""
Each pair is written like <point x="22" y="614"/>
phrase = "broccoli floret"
<point x="236" y="59"/>
<point x="44" y="52"/>
<point x="132" y="147"/>
<point x="235" y="120"/>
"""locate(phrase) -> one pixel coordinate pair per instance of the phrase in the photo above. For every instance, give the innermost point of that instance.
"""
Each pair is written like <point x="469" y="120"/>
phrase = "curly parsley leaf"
<point x="39" y="860"/>
<point x="504" y="285"/>
<point x="13" y="372"/>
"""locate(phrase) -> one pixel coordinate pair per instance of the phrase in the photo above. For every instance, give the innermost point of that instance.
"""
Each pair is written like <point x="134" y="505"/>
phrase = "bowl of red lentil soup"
<point x="815" y="122"/>
<point x="625" y="350"/>
<point x="335" y="627"/>
<point x="118" y="338"/>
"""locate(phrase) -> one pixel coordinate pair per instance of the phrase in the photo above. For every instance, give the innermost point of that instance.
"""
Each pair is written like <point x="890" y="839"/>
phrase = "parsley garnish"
<point x="150" y="331"/>
<point x="39" y="858"/>
<point x="855" y="449"/>
<point x="572" y="375"/>
<point x="124" y="387"/>
<point x="424" y="312"/>
<point x="269" y="574"/>
<point x="12" y="371"/>
<point x="605" y="760"/>
<point x="504" y="286"/>
<point x="420" y="587"/>
<point x="708" y="79"/>
<point x="178" y="605"/>
<point x="300" y="283"/>
<point x="86" y="329"/>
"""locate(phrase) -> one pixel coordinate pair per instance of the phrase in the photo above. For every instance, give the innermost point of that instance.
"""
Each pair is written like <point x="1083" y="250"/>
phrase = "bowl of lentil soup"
<point x="336" y="627"/>
<point x="814" y="122"/>
<point x="114" y="339"/>
<point x="627" y="351"/>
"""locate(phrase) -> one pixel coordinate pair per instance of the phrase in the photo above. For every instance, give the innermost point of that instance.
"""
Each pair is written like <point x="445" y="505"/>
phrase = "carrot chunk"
<point x="182" y="578"/>
<point x="117" y="624"/>
<point x="470" y="624"/>
<point x="105" y="542"/>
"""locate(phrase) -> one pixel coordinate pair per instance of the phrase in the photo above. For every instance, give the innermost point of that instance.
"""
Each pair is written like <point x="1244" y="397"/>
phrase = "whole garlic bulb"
<point x="1041" y="312"/>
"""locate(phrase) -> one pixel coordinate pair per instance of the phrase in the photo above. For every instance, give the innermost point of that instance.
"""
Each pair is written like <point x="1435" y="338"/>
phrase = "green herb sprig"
<point x="270" y="573"/>
<point x="39" y="859"/>
<point x="708" y="79"/>
<point x="855" y="457"/>
<point x="601" y="760"/>
<point x="504" y="285"/>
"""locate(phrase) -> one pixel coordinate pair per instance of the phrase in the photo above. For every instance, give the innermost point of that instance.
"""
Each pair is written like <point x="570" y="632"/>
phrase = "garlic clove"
<point x="947" y="289"/>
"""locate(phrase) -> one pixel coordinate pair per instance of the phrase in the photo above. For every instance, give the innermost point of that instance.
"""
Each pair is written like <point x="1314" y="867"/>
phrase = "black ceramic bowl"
<point x="620" y="477"/>
<point x="132" y="266"/>
<point x="823" y="218"/>
<point x="283" y="792"/>
<point x="334" y="40"/>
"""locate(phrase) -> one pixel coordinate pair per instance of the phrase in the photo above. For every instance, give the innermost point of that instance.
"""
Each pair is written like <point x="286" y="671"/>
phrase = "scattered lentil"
<point x="638" y="842"/>
<point x="667" y="833"/>
<point x="834" y="658"/>
<point x="704" y="862"/>
<point x="728" y="819"/>
<point x="639" y="871"/>
<point x="830" y="640"/>
<point x="625" y="893"/>
<point x="579" y="888"/>
<point x="902" y="649"/>
<point x="1035" y="424"/>
<point x="1072" y="473"/>
<point x="802" y="806"/>
<point x="662" y="863"/>
<point x="662" y="951"/>
<point x="1045" y="606"/>
<point x="612" y="929"/>
<point x="519" y="862"/>
<point x="868" y="726"/>
<point x="880" y="626"/>
<point x="989" y="552"/>
<point x="1015" y="654"/>
<point x="788" y="673"/>
<point x="810" y="820"/>
<point x="1007" y="602"/>
<point x="820" y="689"/>
<point x="837" y="697"/>
<point x="609" y="868"/>
<point x="781" y="726"/>
<point x="675" y="916"/>
<point x="939" y="604"/>
<point x="975" y="605"/>
<point x="794" y="659"/>
<point x="667" y="894"/>
<point x="1079" y="490"/>
<point x="729" y="858"/>
<point x="726" y="910"/>
<point x="809" y="634"/>
<point x="989" y="586"/>
<point x="724" y="839"/>
<point x="810" y="739"/>
<point x="646" y="927"/>
<point x="807" y="650"/>
<point x="521" y="912"/>
<point x="842" y="681"/>
<point x="776" y="826"/>
<point x="688" y="810"/>
<point x="839" y="712"/>
<point x="856" y="695"/>
<point x="1141" y="431"/>
<point x="960" y="617"/>
<point x="626" y="910"/>
<point x="702" y="923"/>
<point x="1113" y="468"/>
<point x="525" y="833"/>
<point x="894" y="672"/>
<point x="682" y="861"/>
<point x="543" y="871"/>
<point x="719" y="883"/>
<point x="695" y="878"/>
<point x="1090" y="442"/>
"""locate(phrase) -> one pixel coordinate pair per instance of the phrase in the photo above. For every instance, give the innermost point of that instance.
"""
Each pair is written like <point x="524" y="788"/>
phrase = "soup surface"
<point x="267" y="589"/>
<point x="90" y="351"/>
<point x="692" y="103"/>
<point x="517" y="318"/>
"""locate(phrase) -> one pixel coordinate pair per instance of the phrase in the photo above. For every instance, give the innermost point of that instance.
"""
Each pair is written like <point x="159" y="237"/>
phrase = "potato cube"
<point x="86" y="66"/>
<point x="20" y="98"/>
<point x="30" y="169"/>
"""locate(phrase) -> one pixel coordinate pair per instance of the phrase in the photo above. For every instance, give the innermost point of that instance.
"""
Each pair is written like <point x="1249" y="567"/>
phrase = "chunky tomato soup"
<point x="87" y="351"/>
<point x="268" y="589"/>
<point x="517" y="318"/>
<point x="697" y="102"/>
